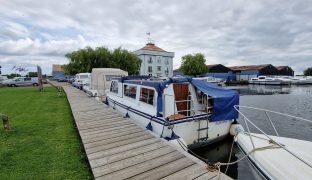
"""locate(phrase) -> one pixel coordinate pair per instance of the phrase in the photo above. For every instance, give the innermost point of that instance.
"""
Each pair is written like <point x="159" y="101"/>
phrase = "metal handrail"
<point x="280" y="145"/>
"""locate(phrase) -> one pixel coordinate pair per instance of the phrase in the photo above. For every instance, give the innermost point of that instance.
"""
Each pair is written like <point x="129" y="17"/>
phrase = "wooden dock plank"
<point x="190" y="172"/>
<point x="142" y="167"/>
<point x="127" y="154"/>
<point x="122" y="149"/>
<point x="165" y="170"/>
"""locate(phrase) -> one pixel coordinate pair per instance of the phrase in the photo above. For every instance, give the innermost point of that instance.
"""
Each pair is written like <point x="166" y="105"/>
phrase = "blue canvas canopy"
<point x="224" y="99"/>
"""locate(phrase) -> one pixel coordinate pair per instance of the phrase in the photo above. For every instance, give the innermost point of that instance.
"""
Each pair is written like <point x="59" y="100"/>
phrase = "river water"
<point x="293" y="100"/>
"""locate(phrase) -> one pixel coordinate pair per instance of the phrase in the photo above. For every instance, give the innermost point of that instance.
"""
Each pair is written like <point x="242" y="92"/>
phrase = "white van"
<point x="80" y="80"/>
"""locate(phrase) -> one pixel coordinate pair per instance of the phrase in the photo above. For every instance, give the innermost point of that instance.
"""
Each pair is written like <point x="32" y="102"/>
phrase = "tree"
<point x="193" y="64"/>
<point x="308" y="71"/>
<point x="84" y="60"/>
<point x="32" y="74"/>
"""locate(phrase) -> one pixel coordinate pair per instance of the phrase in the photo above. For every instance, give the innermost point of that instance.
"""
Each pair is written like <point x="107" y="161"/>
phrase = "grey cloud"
<point x="228" y="32"/>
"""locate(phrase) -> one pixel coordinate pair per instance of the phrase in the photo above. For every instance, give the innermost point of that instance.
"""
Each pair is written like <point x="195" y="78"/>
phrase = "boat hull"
<point x="276" y="163"/>
<point x="188" y="131"/>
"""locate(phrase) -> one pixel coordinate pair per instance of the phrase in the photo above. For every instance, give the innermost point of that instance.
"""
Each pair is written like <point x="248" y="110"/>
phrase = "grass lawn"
<point x="44" y="143"/>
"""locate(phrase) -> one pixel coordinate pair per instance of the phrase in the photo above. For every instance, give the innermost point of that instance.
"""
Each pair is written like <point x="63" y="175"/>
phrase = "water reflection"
<point x="261" y="89"/>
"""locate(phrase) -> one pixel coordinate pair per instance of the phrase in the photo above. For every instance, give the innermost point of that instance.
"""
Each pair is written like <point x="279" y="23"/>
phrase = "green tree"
<point x="193" y="64"/>
<point x="84" y="60"/>
<point x="308" y="71"/>
<point x="32" y="74"/>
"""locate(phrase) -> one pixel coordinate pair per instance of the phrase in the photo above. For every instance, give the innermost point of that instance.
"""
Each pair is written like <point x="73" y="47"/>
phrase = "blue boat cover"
<point x="224" y="99"/>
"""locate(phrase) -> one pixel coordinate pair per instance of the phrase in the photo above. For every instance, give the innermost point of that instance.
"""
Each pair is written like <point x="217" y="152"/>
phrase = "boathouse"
<point x="251" y="71"/>
<point x="58" y="71"/>
<point x="155" y="61"/>
<point x="285" y="71"/>
<point x="220" y="71"/>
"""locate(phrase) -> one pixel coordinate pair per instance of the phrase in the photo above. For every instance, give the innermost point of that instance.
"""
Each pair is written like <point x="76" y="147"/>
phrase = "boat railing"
<point x="266" y="111"/>
<point x="190" y="110"/>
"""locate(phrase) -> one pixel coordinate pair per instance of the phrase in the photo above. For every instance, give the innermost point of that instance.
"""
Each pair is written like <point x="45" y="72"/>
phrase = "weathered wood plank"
<point x="128" y="154"/>
<point x="165" y="170"/>
<point x="115" y="139"/>
<point x="123" y="148"/>
<point x="111" y="134"/>
<point x="110" y="130"/>
<point x="187" y="173"/>
<point x="116" y="144"/>
<point x="106" y="127"/>
<point x="139" y="168"/>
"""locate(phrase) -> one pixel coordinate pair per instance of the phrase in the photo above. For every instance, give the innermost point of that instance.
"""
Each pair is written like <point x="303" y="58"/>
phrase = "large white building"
<point x="155" y="61"/>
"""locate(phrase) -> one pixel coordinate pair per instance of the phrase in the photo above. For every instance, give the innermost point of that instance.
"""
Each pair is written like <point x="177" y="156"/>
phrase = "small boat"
<point x="274" y="157"/>
<point x="285" y="80"/>
<point x="301" y="80"/>
<point x="263" y="80"/>
<point x="216" y="81"/>
<point x="193" y="111"/>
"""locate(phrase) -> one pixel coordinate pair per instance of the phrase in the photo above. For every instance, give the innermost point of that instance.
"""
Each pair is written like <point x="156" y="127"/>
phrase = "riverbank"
<point x="44" y="143"/>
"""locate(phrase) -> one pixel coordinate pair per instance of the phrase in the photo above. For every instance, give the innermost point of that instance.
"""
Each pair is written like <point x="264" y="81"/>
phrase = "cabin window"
<point x="147" y="96"/>
<point x="114" y="87"/>
<point x="130" y="91"/>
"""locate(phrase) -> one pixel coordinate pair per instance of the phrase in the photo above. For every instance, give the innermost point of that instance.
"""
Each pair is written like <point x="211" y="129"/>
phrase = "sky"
<point x="229" y="32"/>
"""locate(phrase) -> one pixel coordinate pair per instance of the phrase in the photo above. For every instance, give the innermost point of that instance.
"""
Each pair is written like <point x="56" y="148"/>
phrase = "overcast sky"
<point x="230" y="32"/>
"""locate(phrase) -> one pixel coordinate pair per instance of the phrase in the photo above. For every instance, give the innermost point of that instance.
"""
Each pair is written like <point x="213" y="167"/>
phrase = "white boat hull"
<point x="188" y="131"/>
<point x="277" y="163"/>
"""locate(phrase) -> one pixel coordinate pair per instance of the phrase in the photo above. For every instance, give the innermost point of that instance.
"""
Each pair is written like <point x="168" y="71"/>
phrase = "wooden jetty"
<point x="117" y="148"/>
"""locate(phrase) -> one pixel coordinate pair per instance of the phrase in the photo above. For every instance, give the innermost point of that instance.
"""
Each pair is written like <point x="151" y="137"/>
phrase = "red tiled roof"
<point x="57" y="68"/>
<point x="152" y="47"/>
<point x="249" y="67"/>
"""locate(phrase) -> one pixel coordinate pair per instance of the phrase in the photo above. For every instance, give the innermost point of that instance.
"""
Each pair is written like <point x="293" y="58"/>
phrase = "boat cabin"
<point x="170" y="99"/>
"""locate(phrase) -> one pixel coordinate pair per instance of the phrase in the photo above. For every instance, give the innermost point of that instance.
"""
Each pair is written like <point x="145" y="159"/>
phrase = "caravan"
<point x="100" y="80"/>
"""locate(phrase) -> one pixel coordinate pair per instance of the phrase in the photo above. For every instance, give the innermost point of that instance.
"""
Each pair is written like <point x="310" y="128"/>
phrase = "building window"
<point x="150" y="74"/>
<point x="158" y="60"/>
<point x="130" y="91"/>
<point x="147" y="96"/>
<point x="114" y="87"/>
<point x="150" y="61"/>
<point x="150" y="69"/>
<point x="158" y="68"/>
<point x="167" y="61"/>
<point x="167" y="71"/>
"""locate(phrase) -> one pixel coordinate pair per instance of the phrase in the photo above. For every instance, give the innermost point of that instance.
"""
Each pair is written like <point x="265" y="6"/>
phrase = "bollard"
<point x="6" y="124"/>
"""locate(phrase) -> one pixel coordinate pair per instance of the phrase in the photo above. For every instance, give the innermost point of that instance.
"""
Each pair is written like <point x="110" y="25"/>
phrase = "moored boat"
<point x="263" y="80"/>
<point x="274" y="157"/>
<point x="194" y="111"/>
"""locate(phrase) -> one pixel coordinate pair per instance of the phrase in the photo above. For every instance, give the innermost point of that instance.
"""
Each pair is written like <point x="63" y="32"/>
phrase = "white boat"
<point x="274" y="157"/>
<point x="100" y="79"/>
<point x="301" y="80"/>
<point x="194" y="111"/>
<point x="263" y="80"/>
<point x="286" y="80"/>
<point x="216" y="81"/>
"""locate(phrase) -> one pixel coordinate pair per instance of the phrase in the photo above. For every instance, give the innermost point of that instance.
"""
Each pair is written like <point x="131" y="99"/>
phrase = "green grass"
<point x="43" y="143"/>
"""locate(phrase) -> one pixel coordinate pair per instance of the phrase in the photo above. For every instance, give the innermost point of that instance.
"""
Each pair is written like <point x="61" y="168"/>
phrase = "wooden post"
<point x="39" y="73"/>
<point x="6" y="124"/>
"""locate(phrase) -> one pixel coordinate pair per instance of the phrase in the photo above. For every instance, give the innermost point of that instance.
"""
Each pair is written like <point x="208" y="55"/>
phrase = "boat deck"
<point x="117" y="148"/>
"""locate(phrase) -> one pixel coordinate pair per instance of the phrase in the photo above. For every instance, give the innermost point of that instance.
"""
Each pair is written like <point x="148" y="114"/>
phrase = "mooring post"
<point x="6" y="124"/>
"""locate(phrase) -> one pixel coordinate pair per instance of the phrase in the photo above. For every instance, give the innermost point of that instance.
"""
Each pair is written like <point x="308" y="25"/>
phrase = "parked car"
<point x="22" y="81"/>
